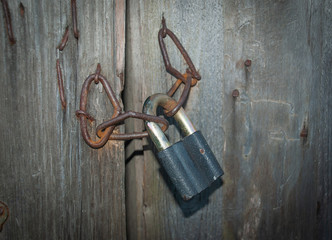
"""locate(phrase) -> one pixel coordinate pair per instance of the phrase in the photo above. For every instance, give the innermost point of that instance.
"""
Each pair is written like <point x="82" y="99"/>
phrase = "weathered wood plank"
<point x="101" y="40"/>
<point x="270" y="181"/>
<point x="153" y="212"/>
<point x="276" y="184"/>
<point x="320" y="115"/>
<point x="56" y="186"/>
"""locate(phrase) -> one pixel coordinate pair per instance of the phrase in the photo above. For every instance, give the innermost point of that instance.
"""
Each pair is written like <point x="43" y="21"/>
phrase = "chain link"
<point x="105" y="130"/>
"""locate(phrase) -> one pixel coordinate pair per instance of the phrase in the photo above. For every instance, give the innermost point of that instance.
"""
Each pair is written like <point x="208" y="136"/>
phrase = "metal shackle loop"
<point x="157" y="135"/>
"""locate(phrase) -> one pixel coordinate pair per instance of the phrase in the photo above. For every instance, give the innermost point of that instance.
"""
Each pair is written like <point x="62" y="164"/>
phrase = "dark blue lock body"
<point x="190" y="163"/>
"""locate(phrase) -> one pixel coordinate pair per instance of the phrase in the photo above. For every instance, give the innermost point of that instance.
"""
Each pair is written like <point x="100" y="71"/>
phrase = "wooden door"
<point x="277" y="184"/>
<point x="56" y="187"/>
<point x="272" y="139"/>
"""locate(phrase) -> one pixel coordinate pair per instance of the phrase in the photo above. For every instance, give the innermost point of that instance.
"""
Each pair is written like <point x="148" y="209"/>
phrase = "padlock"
<point x="190" y="163"/>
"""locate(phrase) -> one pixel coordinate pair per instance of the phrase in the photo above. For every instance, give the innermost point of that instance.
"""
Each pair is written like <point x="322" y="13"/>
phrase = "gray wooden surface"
<point x="275" y="175"/>
<point x="276" y="184"/>
<point x="56" y="186"/>
<point x="153" y="211"/>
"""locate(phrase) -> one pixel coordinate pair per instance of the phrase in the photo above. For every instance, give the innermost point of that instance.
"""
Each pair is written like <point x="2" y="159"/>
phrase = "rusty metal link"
<point x="79" y="113"/>
<point x="163" y="32"/>
<point x="183" y="96"/>
<point x="97" y="73"/>
<point x="164" y="28"/>
<point x="105" y="130"/>
<point x="60" y="84"/>
<point x="191" y="74"/>
<point x="130" y="114"/>
<point x="64" y="39"/>
<point x="74" y="18"/>
<point x="83" y="115"/>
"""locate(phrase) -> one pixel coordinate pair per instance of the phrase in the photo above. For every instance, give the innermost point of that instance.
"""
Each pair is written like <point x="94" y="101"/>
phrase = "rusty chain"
<point x="83" y="115"/>
<point x="130" y="114"/>
<point x="163" y="32"/>
<point x="105" y="130"/>
<point x="191" y="74"/>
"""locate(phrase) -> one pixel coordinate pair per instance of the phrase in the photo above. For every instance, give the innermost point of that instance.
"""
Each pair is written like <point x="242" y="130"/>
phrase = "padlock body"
<point x="202" y="156"/>
<point x="190" y="163"/>
<point x="183" y="172"/>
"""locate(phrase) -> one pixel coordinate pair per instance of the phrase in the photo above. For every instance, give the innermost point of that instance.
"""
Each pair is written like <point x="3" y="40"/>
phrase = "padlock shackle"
<point x="158" y="137"/>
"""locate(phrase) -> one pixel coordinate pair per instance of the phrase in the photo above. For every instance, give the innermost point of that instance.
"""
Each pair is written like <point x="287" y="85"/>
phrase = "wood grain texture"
<point x="153" y="211"/>
<point x="271" y="185"/>
<point x="276" y="184"/>
<point x="320" y="117"/>
<point x="57" y="187"/>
